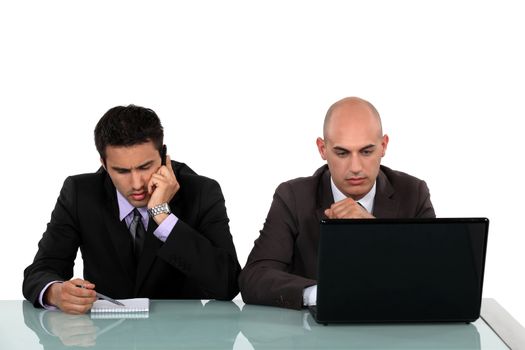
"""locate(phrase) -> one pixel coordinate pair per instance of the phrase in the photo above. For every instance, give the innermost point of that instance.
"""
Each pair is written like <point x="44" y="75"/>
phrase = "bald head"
<point x="352" y="109"/>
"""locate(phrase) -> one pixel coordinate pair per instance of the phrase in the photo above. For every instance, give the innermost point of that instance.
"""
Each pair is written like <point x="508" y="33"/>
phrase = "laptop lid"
<point x="401" y="270"/>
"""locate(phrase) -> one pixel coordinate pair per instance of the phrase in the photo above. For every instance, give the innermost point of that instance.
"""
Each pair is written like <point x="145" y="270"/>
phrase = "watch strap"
<point x="162" y="208"/>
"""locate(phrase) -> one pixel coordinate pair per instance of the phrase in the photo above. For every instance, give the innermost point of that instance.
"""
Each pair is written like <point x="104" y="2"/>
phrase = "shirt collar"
<point x="367" y="201"/>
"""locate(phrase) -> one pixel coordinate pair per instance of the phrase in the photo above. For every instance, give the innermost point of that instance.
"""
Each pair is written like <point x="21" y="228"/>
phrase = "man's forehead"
<point x="353" y="136"/>
<point x="352" y="146"/>
<point x="361" y="117"/>
<point x="130" y="157"/>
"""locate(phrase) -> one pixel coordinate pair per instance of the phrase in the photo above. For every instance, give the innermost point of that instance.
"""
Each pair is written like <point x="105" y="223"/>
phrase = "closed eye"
<point x="340" y="152"/>
<point x="368" y="150"/>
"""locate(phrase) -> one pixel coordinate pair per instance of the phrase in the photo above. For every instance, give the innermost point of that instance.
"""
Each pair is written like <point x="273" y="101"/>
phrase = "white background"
<point x="242" y="88"/>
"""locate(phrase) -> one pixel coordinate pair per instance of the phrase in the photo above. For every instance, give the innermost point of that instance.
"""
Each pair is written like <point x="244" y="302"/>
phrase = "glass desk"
<point x="192" y="324"/>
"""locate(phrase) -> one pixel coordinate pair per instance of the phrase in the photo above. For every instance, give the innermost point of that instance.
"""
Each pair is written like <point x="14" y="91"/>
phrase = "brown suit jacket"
<point x="283" y="260"/>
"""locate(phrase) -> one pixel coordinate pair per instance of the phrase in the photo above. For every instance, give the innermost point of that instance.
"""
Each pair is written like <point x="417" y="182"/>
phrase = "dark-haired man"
<point x="144" y="229"/>
<point x="282" y="266"/>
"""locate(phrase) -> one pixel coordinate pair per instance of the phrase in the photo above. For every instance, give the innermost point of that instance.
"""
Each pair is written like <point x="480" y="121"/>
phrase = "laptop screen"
<point x="411" y="270"/>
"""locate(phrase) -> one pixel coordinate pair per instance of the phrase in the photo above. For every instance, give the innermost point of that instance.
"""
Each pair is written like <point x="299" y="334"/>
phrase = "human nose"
<point x="355" y="165"/>
<point x="137" y="182"/>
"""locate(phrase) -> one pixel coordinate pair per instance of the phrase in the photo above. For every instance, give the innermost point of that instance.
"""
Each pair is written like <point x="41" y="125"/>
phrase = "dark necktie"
<point x="138" y="233"/>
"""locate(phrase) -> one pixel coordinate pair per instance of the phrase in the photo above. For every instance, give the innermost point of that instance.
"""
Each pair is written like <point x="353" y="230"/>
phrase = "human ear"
<point x="384" y="144"/>
<point x="321" y="146"/>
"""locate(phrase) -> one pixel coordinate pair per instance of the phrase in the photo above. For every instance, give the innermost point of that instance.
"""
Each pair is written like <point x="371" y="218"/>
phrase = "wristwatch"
<point x="162" y="208"/>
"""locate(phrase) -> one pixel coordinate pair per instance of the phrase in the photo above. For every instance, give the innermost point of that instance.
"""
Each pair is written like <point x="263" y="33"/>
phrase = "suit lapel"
<point x="118" y="232"/>
<point x="325" y="197"/>
<point x="385" y="206"/>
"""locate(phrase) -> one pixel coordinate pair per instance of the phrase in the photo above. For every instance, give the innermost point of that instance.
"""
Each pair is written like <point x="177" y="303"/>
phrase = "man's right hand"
<point x="70" y="298"/>
<point x="347" y="209"/>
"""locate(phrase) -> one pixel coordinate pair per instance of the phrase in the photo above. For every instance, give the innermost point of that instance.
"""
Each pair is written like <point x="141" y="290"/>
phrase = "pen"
<point x="104" y="297"/>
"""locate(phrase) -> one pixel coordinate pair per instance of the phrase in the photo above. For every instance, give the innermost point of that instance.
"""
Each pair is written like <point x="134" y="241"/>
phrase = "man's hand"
<point x="162" y="187"/>
<point x="347" y="209"/>
<point x="70" y="298"/>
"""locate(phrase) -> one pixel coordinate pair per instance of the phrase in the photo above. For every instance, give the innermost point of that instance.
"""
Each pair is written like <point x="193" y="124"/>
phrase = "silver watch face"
<point x="165" y="208"/>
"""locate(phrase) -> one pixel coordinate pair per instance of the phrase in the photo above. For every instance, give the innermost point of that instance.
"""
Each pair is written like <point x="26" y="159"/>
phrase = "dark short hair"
<point x="128" y="126"/>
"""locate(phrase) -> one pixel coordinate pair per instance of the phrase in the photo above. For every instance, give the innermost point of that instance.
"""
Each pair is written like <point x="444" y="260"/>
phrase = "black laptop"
<point x="400" y="270"/>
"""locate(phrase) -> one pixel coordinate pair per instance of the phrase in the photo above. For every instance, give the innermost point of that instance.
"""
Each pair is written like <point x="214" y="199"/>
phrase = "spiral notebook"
<point x="133" y="308"/>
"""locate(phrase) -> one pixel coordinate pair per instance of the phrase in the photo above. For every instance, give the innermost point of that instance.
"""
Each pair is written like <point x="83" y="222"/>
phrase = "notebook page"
<point x="130" y="306"/>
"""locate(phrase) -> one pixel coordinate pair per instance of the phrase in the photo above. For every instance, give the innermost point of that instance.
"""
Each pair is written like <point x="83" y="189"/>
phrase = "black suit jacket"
<point x="283" y="260"/>
<point x="197" y="261"/>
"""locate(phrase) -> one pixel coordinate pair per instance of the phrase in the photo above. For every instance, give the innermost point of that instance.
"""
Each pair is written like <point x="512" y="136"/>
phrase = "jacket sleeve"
<point x="267" y="279"/>
<point x="424" y="208"/>
<point x="57" y="248"/>
<point x="202" y="247"/>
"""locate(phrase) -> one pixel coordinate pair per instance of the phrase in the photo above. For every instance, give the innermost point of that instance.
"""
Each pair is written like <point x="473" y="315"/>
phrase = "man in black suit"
<point x="144" y="229"/>
<point x="282" y="266"/>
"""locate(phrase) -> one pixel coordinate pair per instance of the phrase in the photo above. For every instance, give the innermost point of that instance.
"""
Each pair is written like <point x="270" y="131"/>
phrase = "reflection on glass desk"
<point x="192" y="324"/>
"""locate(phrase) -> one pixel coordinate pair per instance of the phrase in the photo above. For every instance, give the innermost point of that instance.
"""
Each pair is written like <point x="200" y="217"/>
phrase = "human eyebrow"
<point x="120" y="170"/>
<point x="368" y="147"/>
<point x="143" y="166"/>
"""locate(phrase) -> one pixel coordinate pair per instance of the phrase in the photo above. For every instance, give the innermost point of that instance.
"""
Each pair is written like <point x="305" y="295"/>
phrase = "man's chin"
<point x="138" y="203"/>
<point x="357" y="192"/>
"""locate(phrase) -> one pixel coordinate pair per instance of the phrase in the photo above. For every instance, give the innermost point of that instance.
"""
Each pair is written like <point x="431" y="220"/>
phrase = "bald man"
<point x="282" y="267"/>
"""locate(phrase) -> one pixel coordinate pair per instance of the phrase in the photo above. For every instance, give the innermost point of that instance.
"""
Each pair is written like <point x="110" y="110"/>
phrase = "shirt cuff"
<point x="310" y="296"/>
<point x="163" y="231"/>
<point x="41" y="297"/>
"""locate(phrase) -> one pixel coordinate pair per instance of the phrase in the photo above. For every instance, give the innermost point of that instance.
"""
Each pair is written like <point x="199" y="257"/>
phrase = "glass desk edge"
<point x="506" y="327"/>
